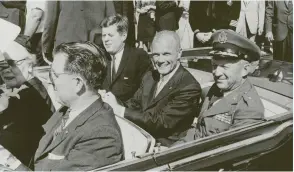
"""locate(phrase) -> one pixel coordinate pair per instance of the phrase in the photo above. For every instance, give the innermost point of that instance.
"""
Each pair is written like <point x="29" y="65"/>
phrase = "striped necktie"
<point x="64" y="119"/>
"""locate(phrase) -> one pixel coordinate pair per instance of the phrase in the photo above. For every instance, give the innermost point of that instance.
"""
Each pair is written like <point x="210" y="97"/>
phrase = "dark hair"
<point x="86" y="60"/>
<point x="120" y="21"/>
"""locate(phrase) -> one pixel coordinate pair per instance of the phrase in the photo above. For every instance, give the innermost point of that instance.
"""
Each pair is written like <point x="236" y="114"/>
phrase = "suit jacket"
<point x="198" y="14"/>
<point x="134" y="63"/>
<point x="71" y="21"/>
<point x="216" y="14"/>
<point x="93" y="139"/>
<point x="21" y="123"/>
<point x="13" y="11"/>
<point x="166" y="15"/>
<point x="239" y="108"/>
<point x="279" y="19"/>
<point x="252" y="13"/>
<point x="167" y="116"/>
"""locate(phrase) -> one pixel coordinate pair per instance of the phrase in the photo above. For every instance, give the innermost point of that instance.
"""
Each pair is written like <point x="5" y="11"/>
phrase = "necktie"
<point x="64" y="119"/>
<point x="113" y="69"/>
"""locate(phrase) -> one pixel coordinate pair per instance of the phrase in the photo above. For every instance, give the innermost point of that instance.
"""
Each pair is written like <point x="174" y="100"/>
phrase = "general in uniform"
<point x="232" y="100"/>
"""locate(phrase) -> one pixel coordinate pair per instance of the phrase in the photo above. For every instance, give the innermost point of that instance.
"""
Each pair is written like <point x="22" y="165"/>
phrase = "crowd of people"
<point x="49" y="23"/>
<point x="98" y="70"/>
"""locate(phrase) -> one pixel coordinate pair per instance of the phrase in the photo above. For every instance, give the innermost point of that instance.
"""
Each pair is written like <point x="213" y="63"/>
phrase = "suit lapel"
<point x="78" y="121"/>
<point x="108" y="75"/>
<point x="49" y="128"/>
<point x="123" y="63"/>
<point x="169" y="86"/>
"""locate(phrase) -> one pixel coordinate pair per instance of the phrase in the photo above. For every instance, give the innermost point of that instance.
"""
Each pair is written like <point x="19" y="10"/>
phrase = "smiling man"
<point x="24" y="104"/>
<point x="126" y="65"/>
<point x="168" y="99"/>
<point x="232" y="101"/>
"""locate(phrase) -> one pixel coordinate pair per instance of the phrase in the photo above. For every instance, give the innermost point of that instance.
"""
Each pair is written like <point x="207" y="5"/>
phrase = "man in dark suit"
<point x="83" y="134"/>
<point x="14" y="12"/>
<point x="216" y="14"/>
<point x="166" y="15"/>
<point x="68" y="21"/>
<point x="232" y="100"/>
<point x="126" y="65"/>
<point x="126" y="8"/>
<point x="24" y="104"/>
<point x="168" y="99"/>
<point x="279" y="28"/>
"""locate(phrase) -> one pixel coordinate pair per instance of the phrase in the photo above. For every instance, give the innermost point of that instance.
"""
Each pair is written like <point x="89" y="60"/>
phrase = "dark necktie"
<point x="113" y="71"/>
<point x="64" y="119"/>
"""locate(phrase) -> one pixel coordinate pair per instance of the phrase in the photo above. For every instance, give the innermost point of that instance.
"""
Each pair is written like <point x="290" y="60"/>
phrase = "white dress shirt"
<point x="159" y="86"/>
<point x="118" y="57"/>
<point x="74" y="112"/>
<point x="164" y="79"/>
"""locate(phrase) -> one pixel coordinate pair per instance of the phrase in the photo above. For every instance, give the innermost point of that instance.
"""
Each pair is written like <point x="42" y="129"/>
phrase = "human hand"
<point x="260" y="31"/>
<point x="207" y="36"/>
<point x="112" y="101"/>
<point x="269" y="36"/>
<point x="200" y="37"/>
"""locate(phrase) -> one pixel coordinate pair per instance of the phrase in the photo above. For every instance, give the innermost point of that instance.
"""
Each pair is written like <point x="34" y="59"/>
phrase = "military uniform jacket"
<point x="242" y="106"/>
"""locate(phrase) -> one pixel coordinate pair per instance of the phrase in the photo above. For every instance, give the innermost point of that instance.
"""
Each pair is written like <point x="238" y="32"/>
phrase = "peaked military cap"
<point x="227" y="43"/>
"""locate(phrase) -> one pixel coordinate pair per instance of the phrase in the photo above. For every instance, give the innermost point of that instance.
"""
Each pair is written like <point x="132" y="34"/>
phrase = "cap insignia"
<point x="222" y="38"/>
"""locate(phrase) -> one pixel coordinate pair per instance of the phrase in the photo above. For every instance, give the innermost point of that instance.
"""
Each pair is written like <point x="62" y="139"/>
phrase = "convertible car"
<point x="265" y="145"/>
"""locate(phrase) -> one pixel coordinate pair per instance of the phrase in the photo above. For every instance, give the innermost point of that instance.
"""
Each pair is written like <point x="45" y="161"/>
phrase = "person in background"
<point x="166" y="15"/>
<point x="126" y="65"/>
<point x="34" y="27"/>
<point x="232" y="100"/>
<point x="168" y="99"/>
<point x="251" y="20"/>
<point x="25" y="104"/>
<point x="279" y="28"/>
<point x="146" y="22"/>
<point x="185" y="31"/>
<point x="126" y="8"/>
<point x="68" y="21"/>
<point x="83" y="134"/>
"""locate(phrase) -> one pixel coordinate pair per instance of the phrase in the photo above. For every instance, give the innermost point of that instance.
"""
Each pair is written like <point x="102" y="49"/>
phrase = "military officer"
<point x="232" y="100"/>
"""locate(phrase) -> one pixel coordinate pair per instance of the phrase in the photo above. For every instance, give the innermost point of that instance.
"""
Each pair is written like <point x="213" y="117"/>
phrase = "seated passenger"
<point x="83" y="134"/>
<point x="168" y="99"/>
<point x="24" y="103"/>
<point x="232" y="101"/>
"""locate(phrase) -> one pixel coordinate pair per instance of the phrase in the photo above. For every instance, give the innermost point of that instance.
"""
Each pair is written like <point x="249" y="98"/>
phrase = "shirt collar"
<point x="119" y="54"/>
<point x="168" y="76"/>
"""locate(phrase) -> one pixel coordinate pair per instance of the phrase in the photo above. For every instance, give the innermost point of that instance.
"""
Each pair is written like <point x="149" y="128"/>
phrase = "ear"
<point x="80" y="86"/>
<point x="179" y="54"/>
<point x="124" y="35"/>
<point x="247" y="68"/>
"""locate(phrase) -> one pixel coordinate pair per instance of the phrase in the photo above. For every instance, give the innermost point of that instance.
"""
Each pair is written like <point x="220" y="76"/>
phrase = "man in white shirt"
<point x="127" y="64"/>
<point x="83" y="134"/>
<point x="168" y="99"/>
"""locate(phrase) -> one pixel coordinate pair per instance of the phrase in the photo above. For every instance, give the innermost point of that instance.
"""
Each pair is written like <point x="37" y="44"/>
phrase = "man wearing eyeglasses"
<point x="24" y="104"/>
<point x="83" y="134"/>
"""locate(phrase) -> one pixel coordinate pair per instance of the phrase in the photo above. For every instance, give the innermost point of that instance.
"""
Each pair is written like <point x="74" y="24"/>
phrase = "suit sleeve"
<point x="180" y="105"/>
<point x="95" y="149"/>
<point x="144" y="62"/>
<point x="50" y="25"/>
<point x="261" y="14"/>
<point x="110" y="10"/>
<point x="269" y="14"/>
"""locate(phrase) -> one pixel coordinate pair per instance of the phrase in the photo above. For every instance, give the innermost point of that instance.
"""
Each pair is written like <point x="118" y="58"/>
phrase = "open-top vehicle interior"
<point x="234" y="145"/>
